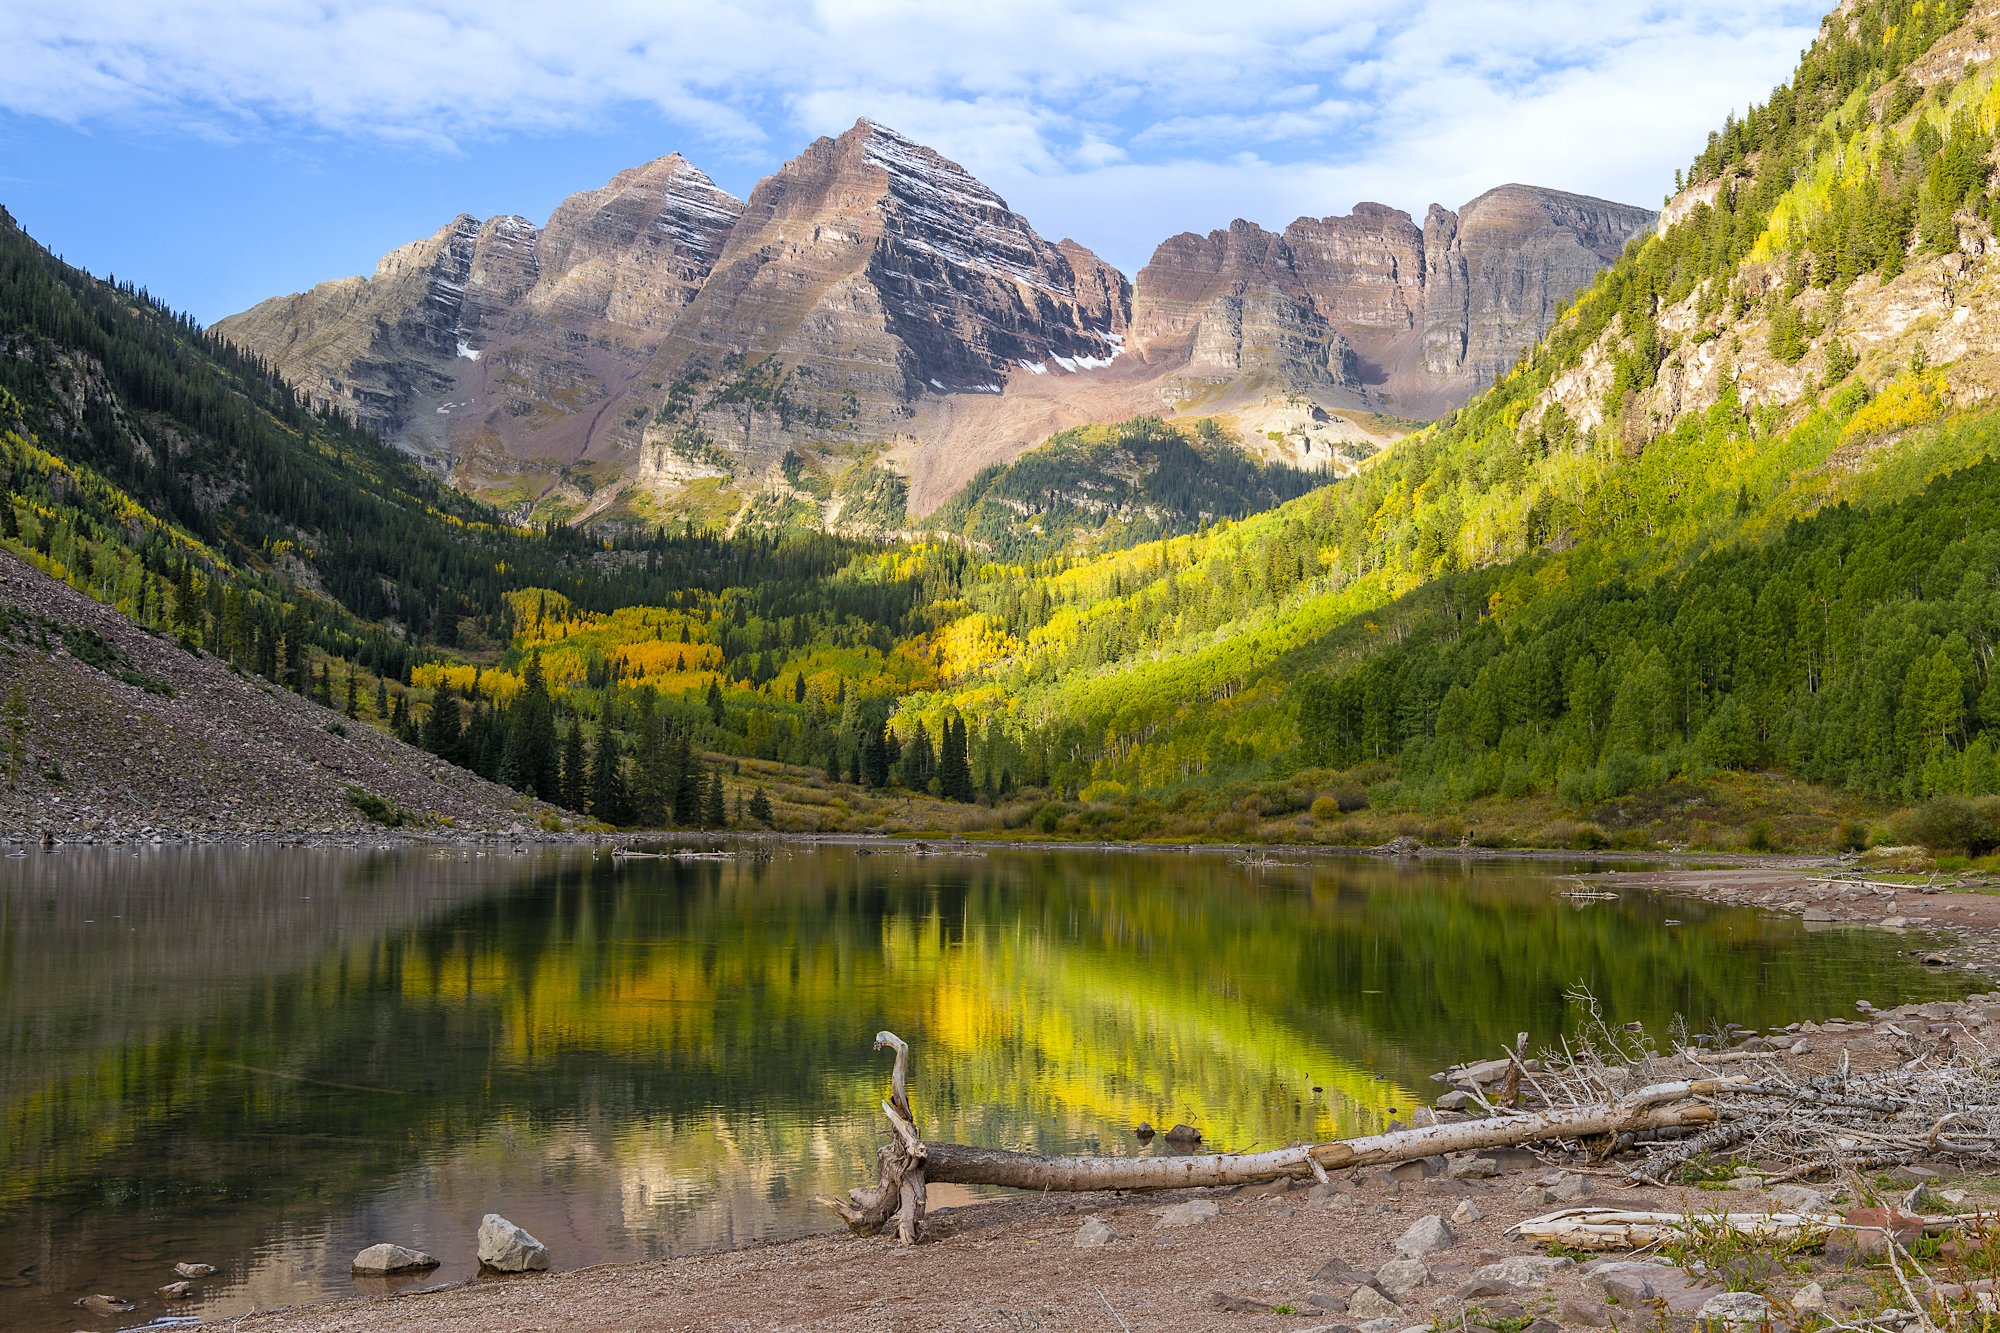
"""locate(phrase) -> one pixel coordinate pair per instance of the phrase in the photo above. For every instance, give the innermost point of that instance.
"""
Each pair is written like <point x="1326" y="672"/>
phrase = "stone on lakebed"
<point x="386" y="1258"/>
<point x="506" y="1248"/>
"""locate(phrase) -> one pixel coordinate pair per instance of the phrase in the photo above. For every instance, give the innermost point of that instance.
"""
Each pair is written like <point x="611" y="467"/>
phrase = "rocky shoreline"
<point x="1955" y="928"/>
<point x="1421" y="1245"/>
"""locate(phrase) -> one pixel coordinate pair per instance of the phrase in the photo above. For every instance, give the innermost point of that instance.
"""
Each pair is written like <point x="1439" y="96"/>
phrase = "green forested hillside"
<point x="1099" y="488"/>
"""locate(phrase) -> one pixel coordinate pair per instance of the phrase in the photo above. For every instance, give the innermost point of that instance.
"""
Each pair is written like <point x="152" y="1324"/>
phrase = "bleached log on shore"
<point x="905" y="1165"/>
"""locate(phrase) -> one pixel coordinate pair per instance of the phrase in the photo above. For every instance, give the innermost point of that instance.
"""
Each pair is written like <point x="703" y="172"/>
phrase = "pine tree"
<point x="296" y="664"/>
<point x="651" y="788"/>
<point x="716" y="712"/>
<point x="575" y="769"/>
<point x="236" y="629"/>
<point x="919" y="760"/>
<point x="353" y="695"/>
<point x="399" y="717"/>
<point x="688" y="781"/>
<point x="530" y="762"/>
<point x="10" y="523"/>
<point x="381" y="696"/>
<point x="875" y="758"/>
<point x="714" y="814"/>
<point x="187" y="603"/>
<point x="442" y="725"/>
<point x="799" y="688"/>
<point x="954" y="772"/>
<point x="607" y="777"/>
<point x="760" y="807"/>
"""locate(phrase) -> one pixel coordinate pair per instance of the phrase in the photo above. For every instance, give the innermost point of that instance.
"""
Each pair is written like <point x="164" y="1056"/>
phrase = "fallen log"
<point x="1620" y="1229"/>
<point x="906" y="1164"/>
<point x="1598" y="1229"/>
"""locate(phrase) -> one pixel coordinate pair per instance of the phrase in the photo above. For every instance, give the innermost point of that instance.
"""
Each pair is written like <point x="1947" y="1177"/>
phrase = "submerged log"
<point x="905" y="1165"/>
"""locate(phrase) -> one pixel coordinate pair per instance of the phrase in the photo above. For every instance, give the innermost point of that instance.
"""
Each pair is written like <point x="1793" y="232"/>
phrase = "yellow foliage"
<point x="669" y="665"/>
<point x="971" y="644"/>
<point x="1909" y="400"/>
<point x="499" y="686"/>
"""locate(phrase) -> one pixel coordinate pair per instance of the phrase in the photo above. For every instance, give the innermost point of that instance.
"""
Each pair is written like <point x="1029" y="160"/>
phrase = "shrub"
<point x="1049" y="818"/>
<point x="1951" y="823"/>
<point x="1350" y="798"/>
<point x="1326" y="808"/>
<point x="1582" y="837"/>
<point x="386" y="813"/>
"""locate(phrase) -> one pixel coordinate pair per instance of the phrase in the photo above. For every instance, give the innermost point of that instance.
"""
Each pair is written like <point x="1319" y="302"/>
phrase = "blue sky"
<point x="220" y="151"/>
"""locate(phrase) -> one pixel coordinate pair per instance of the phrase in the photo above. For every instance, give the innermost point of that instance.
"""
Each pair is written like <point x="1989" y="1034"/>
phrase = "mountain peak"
<point x="662" y="171"/>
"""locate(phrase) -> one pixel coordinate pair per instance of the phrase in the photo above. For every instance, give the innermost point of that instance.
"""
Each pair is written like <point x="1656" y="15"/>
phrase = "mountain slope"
<point x="123" y="732"/>
<point x="1098" y="488"/>
<point x="1570" y="586"/>
<point x="500" y="340"/>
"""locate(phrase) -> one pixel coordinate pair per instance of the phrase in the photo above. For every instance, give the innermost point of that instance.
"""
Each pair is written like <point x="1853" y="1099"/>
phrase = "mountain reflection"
<point x="274" y="1057"/>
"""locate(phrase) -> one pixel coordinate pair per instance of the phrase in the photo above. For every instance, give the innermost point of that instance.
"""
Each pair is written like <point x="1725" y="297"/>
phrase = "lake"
<point x="268" y="1058"/>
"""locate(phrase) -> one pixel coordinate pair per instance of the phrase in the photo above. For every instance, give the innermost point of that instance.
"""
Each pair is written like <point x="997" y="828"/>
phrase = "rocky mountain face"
<point x="872" y="295"/>
<point x="1370" y="308"/>
<point x="863" y="275"/>
<point x="492" y="337"/>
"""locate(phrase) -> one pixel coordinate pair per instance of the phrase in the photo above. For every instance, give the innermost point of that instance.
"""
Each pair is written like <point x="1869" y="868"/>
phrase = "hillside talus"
<point x="130" y="734"/>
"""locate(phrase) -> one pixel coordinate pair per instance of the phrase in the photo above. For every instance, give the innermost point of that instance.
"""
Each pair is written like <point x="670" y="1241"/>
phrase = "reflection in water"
<point x="267" y="1059"/>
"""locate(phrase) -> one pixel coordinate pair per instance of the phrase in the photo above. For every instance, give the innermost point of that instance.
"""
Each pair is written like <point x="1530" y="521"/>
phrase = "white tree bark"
<point x="905" y="1165"/>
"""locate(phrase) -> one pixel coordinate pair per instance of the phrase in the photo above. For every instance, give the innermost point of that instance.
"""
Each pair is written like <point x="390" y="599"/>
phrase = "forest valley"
<point x="1620" y="598"/>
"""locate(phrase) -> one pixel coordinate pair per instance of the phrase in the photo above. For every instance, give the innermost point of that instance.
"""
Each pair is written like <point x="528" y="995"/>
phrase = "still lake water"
<point x="266" y="1059"/>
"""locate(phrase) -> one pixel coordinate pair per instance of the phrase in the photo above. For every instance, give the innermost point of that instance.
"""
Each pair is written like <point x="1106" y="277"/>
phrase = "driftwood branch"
<point x="899" y="1166"/>
<point x="906" y="1164"/>
<point x="959" y="1164"/>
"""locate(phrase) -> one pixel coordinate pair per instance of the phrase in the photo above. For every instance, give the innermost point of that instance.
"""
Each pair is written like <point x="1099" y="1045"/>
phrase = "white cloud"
<point x="1116" y="121"/>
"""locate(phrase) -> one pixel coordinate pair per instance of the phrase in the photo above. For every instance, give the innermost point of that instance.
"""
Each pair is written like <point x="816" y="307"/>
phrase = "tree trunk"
<point x="905" y="1165"/>
<point x="958" y="1164"/>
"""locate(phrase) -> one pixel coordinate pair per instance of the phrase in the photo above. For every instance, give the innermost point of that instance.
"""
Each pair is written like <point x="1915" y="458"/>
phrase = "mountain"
<point x="1714" y="560"/>
<point x="1370" y="309"/>
<point x="1721" y="541"/>
<point x="659" y="347"/>
<point x="190" y="545"/>
<point x="491" y="342"/>
<point x="1098" y="488"/>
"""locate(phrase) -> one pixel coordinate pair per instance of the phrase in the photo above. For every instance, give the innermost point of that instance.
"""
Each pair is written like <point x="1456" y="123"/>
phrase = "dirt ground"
<point x="1287" y="1255"/>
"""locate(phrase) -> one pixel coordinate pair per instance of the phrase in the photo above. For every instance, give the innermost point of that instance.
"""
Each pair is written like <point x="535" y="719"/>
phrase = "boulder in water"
<point x="386" y="1258"/>
<point x="506" y="1248"/>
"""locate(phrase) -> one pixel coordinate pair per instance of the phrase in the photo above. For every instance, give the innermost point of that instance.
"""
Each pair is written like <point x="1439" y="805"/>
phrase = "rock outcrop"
<point x="1370" y="309"/>
<point x="864" y="274"/>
